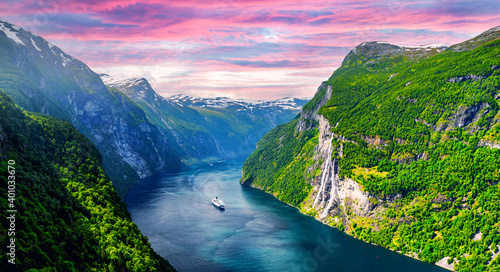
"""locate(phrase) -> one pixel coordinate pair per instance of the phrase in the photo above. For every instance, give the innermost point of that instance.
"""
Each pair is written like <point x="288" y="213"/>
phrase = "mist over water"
<point x="256" y="232"/>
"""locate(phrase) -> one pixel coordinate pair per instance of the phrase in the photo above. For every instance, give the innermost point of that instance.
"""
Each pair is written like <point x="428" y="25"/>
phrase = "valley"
<point x="255" y="232"/>
<point x="396" y="156"/>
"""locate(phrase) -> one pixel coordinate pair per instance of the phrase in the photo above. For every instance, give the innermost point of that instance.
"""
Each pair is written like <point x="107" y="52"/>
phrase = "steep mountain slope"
<point x="69" y="217"/>
<point x="208" y="129"/>
<point x="400" y="147"/>
<point x="40" y="77"/>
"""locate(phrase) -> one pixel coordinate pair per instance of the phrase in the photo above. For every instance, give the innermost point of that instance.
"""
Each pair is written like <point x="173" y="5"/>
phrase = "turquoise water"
<point x="256" y="232"/>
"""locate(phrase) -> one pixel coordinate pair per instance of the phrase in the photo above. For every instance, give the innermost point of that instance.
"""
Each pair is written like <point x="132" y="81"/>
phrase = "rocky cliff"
<point x="399" y="148"/>
<point x="40" y="77"/>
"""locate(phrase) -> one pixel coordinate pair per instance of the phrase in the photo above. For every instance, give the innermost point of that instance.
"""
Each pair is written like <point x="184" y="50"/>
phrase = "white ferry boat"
<point x="218" y="203"/>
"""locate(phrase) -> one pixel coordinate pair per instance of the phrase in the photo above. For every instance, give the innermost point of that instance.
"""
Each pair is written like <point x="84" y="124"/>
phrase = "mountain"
<point x="207" y="129"/>
<point x="71" y="129"/>
<point x="400" y="148"/>
<point x="66" y="215"/>
<point x="287" y="103"/>
<point x="40" y="77"/>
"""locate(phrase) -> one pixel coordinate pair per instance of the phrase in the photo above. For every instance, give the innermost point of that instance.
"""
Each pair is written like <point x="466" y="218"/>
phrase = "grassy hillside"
<point x="420" y="132"/>
<point x="69" y="217"/>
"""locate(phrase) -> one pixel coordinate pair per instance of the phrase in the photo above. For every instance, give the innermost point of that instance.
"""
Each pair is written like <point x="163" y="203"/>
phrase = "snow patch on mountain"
<point x="34" y="44"/>
<point x="143" y="88"/>
<point x="110" y="81"/>
<point x="139" y="86"/>
<point x="50" y="47"/>
<point x="436" y="46"/>
<point x="11" y="32"/>
<point x="65" y="60"/>
<point x="19" y="34"/>
<point x="225" y="102"/>
<point x="16" y="27"/>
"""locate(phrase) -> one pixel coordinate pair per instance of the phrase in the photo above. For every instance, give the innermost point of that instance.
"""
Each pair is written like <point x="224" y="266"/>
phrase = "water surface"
<point x="256" y="232"/>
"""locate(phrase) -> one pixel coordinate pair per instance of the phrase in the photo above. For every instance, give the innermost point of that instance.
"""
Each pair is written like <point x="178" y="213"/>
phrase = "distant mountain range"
<point x="286" y="103"/>
<point x="208" y="129"/>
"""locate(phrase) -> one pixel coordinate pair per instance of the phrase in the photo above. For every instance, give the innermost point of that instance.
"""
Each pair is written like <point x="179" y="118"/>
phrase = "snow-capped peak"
<point x="139" y="87"/>
<point x="11" y="31"/>
<point x="225" y="102"/>
<point x="115" y="81"/>
<point x="136" y="87"/>
<point x="42" y="47"/>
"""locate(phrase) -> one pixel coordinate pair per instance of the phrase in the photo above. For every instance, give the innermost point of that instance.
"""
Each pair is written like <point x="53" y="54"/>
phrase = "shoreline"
<point x="333" y="227"/>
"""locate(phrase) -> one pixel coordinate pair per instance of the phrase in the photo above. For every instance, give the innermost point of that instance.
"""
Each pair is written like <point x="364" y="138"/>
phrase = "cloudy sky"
<point x="242" y="49"/>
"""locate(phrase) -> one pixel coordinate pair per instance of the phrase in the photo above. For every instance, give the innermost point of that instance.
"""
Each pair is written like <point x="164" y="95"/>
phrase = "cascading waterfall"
<point x="324" y="187"/>
<point x="217" y="145"/>
<point x="339" y="122"/>
<point x="333" y="190"/>
<point x="321" y="188"/>
<point x="330" y="172"/>
<point x="323" y="176"/>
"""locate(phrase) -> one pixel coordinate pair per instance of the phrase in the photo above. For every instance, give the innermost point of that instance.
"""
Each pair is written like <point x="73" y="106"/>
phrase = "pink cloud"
<point x="238" y="36"/>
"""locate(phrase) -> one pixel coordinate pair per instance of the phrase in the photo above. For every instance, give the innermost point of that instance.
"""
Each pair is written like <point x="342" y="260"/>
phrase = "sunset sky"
<point x="241" y="49"/>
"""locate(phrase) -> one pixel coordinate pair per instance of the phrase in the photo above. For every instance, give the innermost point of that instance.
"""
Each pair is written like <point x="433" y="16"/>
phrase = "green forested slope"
<point x="69" y="217"/>
<point x="276" y="166"/>
<point x="421" y="136"/>
<point x="42" y="78"/>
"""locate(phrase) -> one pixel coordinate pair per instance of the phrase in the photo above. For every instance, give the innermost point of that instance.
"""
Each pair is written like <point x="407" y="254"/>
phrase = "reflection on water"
<point x="255" y="232"/>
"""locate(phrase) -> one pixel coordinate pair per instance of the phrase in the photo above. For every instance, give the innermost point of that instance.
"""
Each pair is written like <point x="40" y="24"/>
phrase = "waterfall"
<point x="327" y="171"/>
<point x="323" y="175"/>
<point x="339" y="122"/>
<point x="333" y="188"/>
<point x="321" y="188"/>
<point x="341" y="147"/>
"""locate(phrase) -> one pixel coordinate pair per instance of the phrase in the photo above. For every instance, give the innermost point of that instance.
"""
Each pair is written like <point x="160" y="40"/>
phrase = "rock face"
<point x="489" y="144"/>
<point x="464" y="78"/>
<point x="332" y="195"/>
<point x="309" y="118"/>
<point x="42" y="78"/>
<point x="466" y="116"/>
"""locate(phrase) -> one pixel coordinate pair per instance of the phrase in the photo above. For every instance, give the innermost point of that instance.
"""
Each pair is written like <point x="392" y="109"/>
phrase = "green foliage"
<point x="386" y="165"/>
<point x="309" y="106"/>
<point x="21" y="86"/>
<point x="417" y="100"/>
<point x="69" y="216"/>
<point x="276" y="165"/>
<point x="416" y="127"/>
